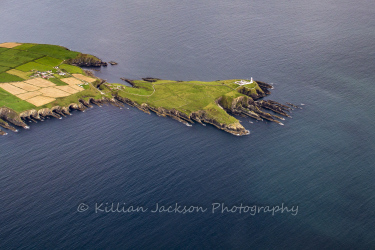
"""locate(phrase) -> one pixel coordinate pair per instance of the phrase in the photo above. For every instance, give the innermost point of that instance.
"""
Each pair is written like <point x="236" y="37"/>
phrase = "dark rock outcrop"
<point x="246" y="106"/>
<point x="10" y="116"/>
<point x="150" y="79"/>
<point x="84" y="60"/>
<point x="265" y="87"/>
<point x="6" y="125"/>
<point x="128" y="81"/>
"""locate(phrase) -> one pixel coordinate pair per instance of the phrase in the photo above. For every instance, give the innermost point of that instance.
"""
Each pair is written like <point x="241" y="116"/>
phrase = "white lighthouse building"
<point x="243" y="82"/>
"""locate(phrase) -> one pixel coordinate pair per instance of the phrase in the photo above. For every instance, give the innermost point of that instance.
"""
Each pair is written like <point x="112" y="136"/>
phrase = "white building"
<point x="243" y="82"/>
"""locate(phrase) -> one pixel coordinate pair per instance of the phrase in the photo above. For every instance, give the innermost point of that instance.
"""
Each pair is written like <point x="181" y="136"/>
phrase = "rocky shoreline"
<point x="199" y="117"/>
<point x="189" y="102"/>
<point x="9" y="119"/>
<point x="249" y="105"/>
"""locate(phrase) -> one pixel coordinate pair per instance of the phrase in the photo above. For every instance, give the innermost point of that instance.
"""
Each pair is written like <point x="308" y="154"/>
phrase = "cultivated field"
<point x="71" y="81"/>
<point x="40" y="100"/>
<point x="35" y="75"/>
<point x="84" y="78"/>
<point x="9" y="45"/>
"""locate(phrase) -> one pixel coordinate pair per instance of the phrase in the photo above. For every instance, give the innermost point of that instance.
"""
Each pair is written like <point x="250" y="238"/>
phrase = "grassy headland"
<point x="39" y="77"/>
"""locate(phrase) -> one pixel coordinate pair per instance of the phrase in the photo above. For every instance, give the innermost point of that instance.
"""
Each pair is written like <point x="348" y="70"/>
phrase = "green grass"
<point x="25" y="46"/>
<point x="3" y="68"/>
<point x="11" y="53"/>
<point x="250" y="88"/>
<point x="60" y="77"/>
<point x="215" y="112"/>
<point x="57" y="81"/>
<point x="53" y="51"/>
<point x="227" y="99"/>
<point x="184" y="96"/>
<point x="71" y="69"/>
<point x="24" y="75"/>
<point x="13" y="102"/>
<point x="171" y="102"/>
<point x="187" y="97"/>
<point x="86" y="86"/>
<point x="34" y="66"/>
<point x="49" y="61"/>
<point x="3" y="49"/>
<point x="13" y="60"/>
<point x="5" y="77"/>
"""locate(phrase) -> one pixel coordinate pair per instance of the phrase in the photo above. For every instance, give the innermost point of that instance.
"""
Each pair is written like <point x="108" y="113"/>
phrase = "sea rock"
<point x="9" y="115"/>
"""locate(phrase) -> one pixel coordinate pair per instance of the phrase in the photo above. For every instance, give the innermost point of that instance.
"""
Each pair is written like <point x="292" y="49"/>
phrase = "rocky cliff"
<point x="59" y="112"/>
<point x="10" y="116"/>
<point x="246" y="106"/>
<point x="199" y="116"/>
<point x="84" y="60"/>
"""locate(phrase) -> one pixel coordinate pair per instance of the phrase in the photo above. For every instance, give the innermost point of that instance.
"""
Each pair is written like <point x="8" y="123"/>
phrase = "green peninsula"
<point x="39" y="80"/>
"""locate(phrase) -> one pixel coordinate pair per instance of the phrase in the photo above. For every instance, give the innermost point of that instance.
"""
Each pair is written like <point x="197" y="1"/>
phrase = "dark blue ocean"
<point x="320" y="53"/>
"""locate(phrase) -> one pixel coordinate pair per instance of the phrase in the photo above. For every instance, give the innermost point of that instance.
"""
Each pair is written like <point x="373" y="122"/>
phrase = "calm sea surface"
<point x="320" y="53"/>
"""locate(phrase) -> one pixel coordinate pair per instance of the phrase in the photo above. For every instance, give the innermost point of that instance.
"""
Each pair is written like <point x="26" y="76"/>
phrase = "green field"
<point x="34" y="66"/>
<point x="71" y="69"/>
<point x="25" y="46"/>
<point x="3" y="68"/>
<point x="186" y="97"/>
<point x="5" y="77"/>
<point x="19" y="63"/>
<point x="13" y="58"/>
<point x="58" y="82"/>
<point x="52" y="51"/>
<point x="23" y="75"/>
<point x="3" y="49"/>
<point x="10" y="101"/>
<point x="49" y="61"/>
